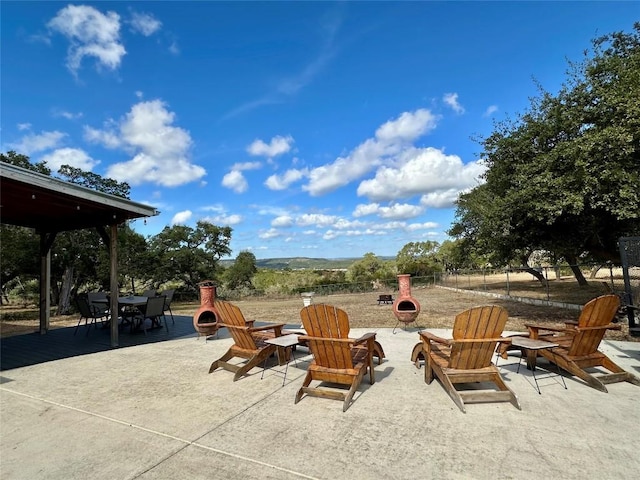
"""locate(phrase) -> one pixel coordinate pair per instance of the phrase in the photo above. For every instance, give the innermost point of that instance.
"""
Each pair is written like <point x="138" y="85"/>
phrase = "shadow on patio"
<point x="33" y="348"/>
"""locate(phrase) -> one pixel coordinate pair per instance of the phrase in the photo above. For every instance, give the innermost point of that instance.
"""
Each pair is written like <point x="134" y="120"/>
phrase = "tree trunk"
<point x="594" y="271"/>
<point x="575" y="268"/>
<point x="536" y="273"/>
<point x="64" y="304"/>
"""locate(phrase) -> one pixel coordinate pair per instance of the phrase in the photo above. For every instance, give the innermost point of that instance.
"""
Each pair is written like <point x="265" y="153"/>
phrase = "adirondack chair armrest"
<point x="367" y="337"/>
<point x="276" y="326"/>
<point x="481" y="340"/>
<point x="610" y="326"/>
<point x="434" y="338"/>
<point x="534" y="329"/>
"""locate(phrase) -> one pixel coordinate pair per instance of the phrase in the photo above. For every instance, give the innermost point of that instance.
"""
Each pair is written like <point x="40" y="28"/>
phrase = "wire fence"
<point x="553" y="284"/>
<point x="556" y="283"/>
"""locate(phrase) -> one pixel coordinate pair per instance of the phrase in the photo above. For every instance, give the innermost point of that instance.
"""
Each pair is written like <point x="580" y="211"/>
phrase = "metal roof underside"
<point x="48" y="204"/>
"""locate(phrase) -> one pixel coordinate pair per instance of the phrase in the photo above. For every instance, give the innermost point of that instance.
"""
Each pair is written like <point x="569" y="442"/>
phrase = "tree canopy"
<point x="418" y="258"/>
<point x="565" y="176"/>
<point x="242" y="271"/>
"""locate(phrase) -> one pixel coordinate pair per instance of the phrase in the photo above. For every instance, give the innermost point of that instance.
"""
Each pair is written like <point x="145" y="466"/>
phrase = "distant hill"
<point x="299" y="263"/>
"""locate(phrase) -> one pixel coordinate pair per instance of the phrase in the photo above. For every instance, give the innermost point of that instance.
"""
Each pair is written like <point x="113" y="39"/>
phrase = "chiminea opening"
<point x="406" y="306"/>
<point x="207" y="317"/>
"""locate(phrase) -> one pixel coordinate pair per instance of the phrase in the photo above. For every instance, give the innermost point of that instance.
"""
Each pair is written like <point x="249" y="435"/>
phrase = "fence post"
<point x="546" y="278"/>
<point x="508" y="288"/>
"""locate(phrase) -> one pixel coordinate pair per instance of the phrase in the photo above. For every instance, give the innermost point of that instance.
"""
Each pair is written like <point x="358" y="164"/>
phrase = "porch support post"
<point x="113" y="257"/>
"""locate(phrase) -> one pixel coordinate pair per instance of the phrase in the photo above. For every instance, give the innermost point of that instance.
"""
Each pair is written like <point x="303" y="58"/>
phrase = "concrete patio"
<point x="73" y="408"/>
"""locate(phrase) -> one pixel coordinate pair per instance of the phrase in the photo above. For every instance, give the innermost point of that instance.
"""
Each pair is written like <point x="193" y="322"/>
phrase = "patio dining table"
<point x="128" y="307"/>
<point x="132" y="301"/>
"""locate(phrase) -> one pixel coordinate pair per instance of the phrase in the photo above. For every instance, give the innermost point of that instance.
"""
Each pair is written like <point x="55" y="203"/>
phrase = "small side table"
<point x="531" y="347"/>
<point x="284" y="343"/>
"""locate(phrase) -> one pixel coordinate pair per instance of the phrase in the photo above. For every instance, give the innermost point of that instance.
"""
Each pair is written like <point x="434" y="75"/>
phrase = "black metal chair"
<point x="168" y="294"/>
<point x="153" y="310"/>
<point x="91" y="313"/>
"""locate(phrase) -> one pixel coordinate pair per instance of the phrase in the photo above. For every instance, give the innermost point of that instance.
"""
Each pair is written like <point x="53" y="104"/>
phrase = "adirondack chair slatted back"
<point x="327" y="352"/>
<point x="314" y="320"/>
<point x="477" y="323"/>
<point x="233" y="319"/>
<point x="598" y="312"/>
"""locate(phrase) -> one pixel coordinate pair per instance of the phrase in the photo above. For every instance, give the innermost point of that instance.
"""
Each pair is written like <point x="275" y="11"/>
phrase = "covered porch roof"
<point x="50" y="205"/>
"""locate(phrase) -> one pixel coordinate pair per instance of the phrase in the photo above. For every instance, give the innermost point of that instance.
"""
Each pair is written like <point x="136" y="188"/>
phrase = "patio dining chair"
<point x="168" y="298"/>
<point x="90" y="313"/>
<point x="154" y="311"/>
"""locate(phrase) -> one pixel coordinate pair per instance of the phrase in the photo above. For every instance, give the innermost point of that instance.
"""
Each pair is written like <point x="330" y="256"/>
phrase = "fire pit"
<point x="405" y="307"/>
<point x="205" y="320"/>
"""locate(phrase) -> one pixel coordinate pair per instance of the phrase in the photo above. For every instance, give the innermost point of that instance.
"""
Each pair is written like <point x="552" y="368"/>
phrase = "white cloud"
<point x="441" y="199"/>
<point x="390" y="140"/>
<point x="282" y="221"/>
<point x="394" y="211"/>
<point x="235" y="181"/>
<point x="107" y="138"/>
<point x="422" y="172"/>
<point x="451" y="99"/>
<point x="342" y="224"/>
<point x="24" y="126"/>
<point x="68" y="115"/>
<point x="227" y="220"/>
<point x="69" y="156"/>
<point x="246" y="166"/>
<point x="277" y="146"/>
<point x="145" y="23"/>
<point x="368" y="209"/>
<point x="491" y="109"/>
<point x="271" y="233"/>
<point x="90" y="33"/>
<point x="408" y="127"/>
<point x="317" y="219"/>
<point x="399" y="211"/>
<point x="422" y="226"/>
<point x="181" y="218"/>
<point x="281" y="182"/>
<point x="161" y="150"/>
<point x="331" y="234"/>
<point x="213" y="208"/>
<point x="33" y="142"/>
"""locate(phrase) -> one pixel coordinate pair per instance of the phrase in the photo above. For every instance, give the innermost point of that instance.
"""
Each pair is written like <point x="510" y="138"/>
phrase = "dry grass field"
<point x="438" y="308"/>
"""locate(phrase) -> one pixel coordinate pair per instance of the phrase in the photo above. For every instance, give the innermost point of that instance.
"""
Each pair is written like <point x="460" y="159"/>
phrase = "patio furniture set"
<point x="339" y="363"/>
<point x="134" y="310"/>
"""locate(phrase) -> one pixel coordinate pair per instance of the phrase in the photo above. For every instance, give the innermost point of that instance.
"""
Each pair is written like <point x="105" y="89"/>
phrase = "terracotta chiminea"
<point x="205" y="320"/>
<point x="405" y="307"/>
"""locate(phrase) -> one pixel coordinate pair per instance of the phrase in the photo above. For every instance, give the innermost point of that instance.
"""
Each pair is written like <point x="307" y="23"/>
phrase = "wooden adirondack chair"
<point x="579" y="341"/>
<point x="467" y="357"/>
<point x="249" y="341"/>
<point x="341" y="329"/>
<point x="337" y="359"/>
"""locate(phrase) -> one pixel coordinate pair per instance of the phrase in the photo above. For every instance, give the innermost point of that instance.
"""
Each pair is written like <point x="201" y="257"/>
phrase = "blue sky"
<point x="314" y="129"/>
